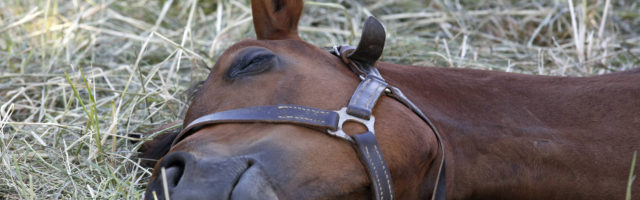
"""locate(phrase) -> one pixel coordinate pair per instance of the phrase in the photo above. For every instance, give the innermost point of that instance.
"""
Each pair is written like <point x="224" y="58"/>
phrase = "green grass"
<point x="77" y="76"/>
<point x="632" y="177"/>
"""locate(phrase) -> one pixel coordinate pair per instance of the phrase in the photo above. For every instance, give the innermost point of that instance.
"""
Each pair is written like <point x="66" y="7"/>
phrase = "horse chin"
<point x="253" y="184"/>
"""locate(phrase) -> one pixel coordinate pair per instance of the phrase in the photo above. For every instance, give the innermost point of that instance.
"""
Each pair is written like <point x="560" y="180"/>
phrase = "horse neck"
<point x="510" y="132"/>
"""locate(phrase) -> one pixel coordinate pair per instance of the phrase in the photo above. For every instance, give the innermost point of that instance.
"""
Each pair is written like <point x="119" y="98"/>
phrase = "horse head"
<point x="261" y="160"/>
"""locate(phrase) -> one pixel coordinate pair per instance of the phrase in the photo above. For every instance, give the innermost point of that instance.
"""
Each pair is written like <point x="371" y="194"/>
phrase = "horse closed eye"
<point x="251" y="62"/>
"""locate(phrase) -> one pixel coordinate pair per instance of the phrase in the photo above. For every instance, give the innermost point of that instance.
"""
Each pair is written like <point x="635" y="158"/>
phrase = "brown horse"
<point x="507" y="136"/>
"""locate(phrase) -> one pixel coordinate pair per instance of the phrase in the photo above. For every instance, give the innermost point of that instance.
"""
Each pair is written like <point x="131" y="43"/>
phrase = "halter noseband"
<point x="361" y="60"/>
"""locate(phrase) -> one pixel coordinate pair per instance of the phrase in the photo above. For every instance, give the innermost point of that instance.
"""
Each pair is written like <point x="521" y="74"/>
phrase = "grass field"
<point x="77" y="76"/>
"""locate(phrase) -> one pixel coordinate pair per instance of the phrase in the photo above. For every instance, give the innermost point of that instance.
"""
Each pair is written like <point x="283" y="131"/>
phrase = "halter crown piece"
<point x="361" y="60"/>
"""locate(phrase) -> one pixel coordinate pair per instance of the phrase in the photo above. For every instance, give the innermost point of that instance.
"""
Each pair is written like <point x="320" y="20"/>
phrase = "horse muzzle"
<point x="188" y="177"/>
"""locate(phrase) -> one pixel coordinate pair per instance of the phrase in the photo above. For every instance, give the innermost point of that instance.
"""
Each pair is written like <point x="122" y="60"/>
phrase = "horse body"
<point x="513" y="136"/>
<point x="507" y="136"/>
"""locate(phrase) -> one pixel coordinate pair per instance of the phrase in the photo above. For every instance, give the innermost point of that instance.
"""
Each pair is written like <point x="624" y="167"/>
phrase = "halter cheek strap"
<point x="361" y="60"/>
<point x="361" y="106"/>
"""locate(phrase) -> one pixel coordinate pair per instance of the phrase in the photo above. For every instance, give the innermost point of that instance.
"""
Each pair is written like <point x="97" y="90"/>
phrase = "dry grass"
<point x="77" y="76"/>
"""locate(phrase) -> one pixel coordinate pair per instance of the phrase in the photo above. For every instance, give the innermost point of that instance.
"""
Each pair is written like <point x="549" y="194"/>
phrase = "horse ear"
<point x="153" y="150"/>
<point x="276" y="19"/>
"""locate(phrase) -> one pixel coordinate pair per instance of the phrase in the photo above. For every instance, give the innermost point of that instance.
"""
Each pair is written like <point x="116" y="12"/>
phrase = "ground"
<point x="77" y="76"/>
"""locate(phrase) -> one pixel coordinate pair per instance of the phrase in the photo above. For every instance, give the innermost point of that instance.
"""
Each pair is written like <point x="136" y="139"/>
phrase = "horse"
<point x="502" y="135"/>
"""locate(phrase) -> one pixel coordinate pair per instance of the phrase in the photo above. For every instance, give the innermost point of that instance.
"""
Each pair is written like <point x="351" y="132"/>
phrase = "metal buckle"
<point x="335" y="50"/>
<point x="345" y="117"/>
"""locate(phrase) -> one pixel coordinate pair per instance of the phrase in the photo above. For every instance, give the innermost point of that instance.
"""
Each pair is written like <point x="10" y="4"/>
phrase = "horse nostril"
<point x="173" y="174"/>
<point x="174" y="165"/>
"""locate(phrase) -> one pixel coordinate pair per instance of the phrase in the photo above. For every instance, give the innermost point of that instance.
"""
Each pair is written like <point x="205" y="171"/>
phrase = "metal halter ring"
<point x="344" y="117"/>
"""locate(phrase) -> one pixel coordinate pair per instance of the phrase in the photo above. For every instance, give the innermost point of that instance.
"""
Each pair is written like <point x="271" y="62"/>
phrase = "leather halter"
<point x="361" y="61"/>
